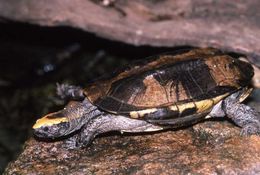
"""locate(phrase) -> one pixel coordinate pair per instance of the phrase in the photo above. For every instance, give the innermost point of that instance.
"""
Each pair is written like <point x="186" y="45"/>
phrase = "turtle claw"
<point x="85" y="140"/>
<point x="76" y="142"/>
<point x="66" y="91"/>
<point x="70" y="143"/>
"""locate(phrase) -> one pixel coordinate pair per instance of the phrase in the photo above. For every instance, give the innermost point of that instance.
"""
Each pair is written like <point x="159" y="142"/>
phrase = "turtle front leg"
<point x="97" y="125"/>
<point x="90" y="131"/>
<point x="108" y="122"/>
<point x="244" y="116"/>
<point x="65" y="91"/>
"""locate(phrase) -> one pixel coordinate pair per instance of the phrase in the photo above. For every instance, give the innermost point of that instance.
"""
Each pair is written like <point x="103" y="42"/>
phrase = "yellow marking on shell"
<point x="45" y="121"/>
<point x="201" y="106"/>
<point x="246" y="93"/>
<point x="173" y="108"/>
<point x="185" y="106"/>
<point x="141" y="113"/>
<point x="218" y="98"/>
<point x="204" y="105"/>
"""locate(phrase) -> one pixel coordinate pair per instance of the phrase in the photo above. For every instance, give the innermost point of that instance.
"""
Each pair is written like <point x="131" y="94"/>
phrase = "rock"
<point x="185" y="151"/>
<point x="232" y="26"/>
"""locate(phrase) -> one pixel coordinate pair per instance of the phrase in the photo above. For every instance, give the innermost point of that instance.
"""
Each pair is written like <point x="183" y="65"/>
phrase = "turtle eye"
<point x="46" y="129"/>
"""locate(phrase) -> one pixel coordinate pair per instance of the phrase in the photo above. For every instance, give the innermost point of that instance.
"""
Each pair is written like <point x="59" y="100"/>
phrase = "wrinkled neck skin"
<point x="79" y="114"/>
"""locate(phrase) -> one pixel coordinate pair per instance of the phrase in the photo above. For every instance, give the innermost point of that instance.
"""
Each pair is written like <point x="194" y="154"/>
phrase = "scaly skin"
<point x="87" y="118"/>
<point x="93" y="121"/>
<point x="105" y="123"/>
<point x="244" y="116"/>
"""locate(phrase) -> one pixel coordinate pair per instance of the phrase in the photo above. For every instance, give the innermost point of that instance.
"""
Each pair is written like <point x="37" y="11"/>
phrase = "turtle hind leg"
<point x="65" y="91"/>
<point x="244" y="116"/>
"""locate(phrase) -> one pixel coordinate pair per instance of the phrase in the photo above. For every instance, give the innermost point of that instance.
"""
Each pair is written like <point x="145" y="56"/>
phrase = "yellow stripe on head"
<point x="49" y="119"/>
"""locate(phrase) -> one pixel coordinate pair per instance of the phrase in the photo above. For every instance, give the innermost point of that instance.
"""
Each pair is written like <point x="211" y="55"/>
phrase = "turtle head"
<point x="60" y="123"/>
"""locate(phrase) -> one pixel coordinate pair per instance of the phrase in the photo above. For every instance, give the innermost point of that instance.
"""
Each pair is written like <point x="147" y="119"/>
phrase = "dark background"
<point x="33" y="59"/>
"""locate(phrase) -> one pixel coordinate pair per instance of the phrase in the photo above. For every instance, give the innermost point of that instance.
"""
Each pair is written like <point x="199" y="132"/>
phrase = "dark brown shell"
<point x="172" y="80"/>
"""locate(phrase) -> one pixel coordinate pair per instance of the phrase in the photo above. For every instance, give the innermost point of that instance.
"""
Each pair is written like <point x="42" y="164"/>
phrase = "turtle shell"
<point x="176" y="84"/>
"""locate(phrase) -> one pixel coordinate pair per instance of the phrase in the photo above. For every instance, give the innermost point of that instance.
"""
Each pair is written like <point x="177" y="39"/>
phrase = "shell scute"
<point x="168" y="81"/>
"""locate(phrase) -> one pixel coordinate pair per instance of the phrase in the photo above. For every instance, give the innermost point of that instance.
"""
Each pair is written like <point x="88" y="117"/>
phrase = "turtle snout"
<point x="42" y="132"/>
<point x="52" y="131"/>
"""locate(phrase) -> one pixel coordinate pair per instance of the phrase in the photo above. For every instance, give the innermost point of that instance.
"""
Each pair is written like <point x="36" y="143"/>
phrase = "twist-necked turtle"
<point x="164" y="91"/>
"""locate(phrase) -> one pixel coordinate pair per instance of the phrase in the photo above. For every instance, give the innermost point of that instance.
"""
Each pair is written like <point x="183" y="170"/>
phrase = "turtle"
<point x="169" y="90"/>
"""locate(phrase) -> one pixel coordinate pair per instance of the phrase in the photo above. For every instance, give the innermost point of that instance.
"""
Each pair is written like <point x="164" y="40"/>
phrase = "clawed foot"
<point x="250" y="129"/>
<point x="65" y="91"/>
<point x="70" y="143"/>
<point x="76" y="142"/>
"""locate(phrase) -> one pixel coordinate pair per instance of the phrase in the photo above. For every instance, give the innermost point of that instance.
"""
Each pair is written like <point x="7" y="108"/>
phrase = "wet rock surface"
<point x="197" y="150"/>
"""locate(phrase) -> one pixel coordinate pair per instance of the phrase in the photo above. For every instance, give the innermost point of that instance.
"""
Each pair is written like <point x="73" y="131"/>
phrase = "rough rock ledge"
<point x="212" y="147"/>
